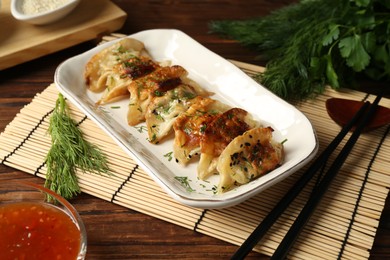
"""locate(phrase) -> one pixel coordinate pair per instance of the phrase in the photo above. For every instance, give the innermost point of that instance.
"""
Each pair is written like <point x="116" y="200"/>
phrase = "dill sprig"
<point x="315" y="43"/>
<point x="69" y="151"/>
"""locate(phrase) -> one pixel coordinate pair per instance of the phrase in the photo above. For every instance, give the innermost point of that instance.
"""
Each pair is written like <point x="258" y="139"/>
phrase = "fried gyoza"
<point x="218" y="134"/>
<point x="247" y="157"/>
<point x="229" y="141"/>
<point x="118" y="80"/>
<point x="165" y="108"/>
<point x="107" y="70"/>
<point x="144" y="89"/>
<point x="190" y="126"/>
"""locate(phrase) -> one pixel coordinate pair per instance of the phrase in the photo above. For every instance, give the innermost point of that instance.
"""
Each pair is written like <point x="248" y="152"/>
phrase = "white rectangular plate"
<point x="230" y="85"/>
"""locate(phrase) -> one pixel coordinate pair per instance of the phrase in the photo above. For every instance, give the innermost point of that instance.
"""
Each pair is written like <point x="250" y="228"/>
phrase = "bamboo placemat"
<point x="344" y="224"/>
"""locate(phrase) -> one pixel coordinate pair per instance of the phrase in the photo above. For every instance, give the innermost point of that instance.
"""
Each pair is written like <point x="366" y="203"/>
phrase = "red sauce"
<point x="37" y="231"/>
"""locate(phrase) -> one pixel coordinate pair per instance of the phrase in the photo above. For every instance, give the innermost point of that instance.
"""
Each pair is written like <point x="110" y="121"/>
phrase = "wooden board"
<point x="21" y="42"/>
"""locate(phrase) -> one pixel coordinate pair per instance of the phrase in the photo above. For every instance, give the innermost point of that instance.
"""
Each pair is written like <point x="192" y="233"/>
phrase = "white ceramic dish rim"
<point x="216" y="74"/>
<point x="15" y="11"/>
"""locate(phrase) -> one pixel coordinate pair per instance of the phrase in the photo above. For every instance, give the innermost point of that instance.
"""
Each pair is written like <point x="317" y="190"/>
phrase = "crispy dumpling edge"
<point x="226" y="181"/>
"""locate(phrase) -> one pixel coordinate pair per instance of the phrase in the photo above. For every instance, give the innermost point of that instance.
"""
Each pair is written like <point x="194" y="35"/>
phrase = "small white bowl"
<point x="44" y="17"/>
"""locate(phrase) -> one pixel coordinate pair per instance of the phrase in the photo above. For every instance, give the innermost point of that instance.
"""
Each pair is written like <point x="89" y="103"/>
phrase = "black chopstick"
<point x="282" y="205"/>
<point x="289" y="239"/>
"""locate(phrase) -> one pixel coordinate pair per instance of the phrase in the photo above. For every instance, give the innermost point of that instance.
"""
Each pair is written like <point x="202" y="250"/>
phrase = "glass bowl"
<point x="37" y="223"/>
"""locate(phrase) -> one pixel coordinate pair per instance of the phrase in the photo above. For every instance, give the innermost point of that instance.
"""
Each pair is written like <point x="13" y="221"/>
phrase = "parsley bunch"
<point x="315" y="43"/>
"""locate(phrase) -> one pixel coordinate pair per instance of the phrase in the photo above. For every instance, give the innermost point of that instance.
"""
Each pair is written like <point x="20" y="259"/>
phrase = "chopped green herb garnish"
<point x="203" y="128"/>
<point x="169" y="156"/>
<point x="158" y="93"/>
<point x="185" y="182"/>
<point x="121" y="49"/>
<point x="154" y="137"/>
<point x="141" y="129"/>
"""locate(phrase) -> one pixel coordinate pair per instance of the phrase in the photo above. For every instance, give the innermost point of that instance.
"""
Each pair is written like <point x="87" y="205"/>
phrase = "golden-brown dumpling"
<point x="190" y="126"/>
<point x="165" y="108"/>
<point x="142" y="90"/>
<point x="120" y="77"/>
<point x="218" y="134"/>
<point x="103" y="62"/>
<point x="247" y="157"/>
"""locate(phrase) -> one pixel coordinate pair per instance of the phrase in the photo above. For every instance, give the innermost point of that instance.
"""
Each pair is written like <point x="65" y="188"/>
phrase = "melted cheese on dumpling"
<point x="100" y="64"/>
<point x="218" y="134"/>
<point x="190" y="126"/>
<point x="163" y="110"/>
<point x="247" y="157"/>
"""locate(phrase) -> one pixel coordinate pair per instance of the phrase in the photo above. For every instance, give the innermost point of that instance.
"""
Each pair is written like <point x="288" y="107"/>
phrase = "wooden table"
<point x="115" y="232"/>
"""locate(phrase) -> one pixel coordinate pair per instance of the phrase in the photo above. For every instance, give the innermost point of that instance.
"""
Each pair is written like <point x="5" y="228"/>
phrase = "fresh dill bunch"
<point x="69" y="151"/>
<point x="315" y="43"/>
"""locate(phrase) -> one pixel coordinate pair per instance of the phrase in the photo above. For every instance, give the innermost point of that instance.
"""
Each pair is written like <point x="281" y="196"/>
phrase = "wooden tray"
<point x="21" y="42"/>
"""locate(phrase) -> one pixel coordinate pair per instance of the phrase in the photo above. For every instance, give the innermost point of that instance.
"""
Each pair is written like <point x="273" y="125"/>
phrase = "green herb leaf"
<point x="333" y="35"/>
<point x="314" y="43"/>
<point x="69" y="153"/>
<point x="331" y="74"/>
<point x="184" y="181"/>
<point x="353" y="50"/>
<point x="169" y="156"/>
<point x="361" y="2"/>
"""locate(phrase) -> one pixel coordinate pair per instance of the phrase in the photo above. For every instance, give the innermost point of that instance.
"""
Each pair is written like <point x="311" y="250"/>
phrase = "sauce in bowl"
<point x="33" y="230"/>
